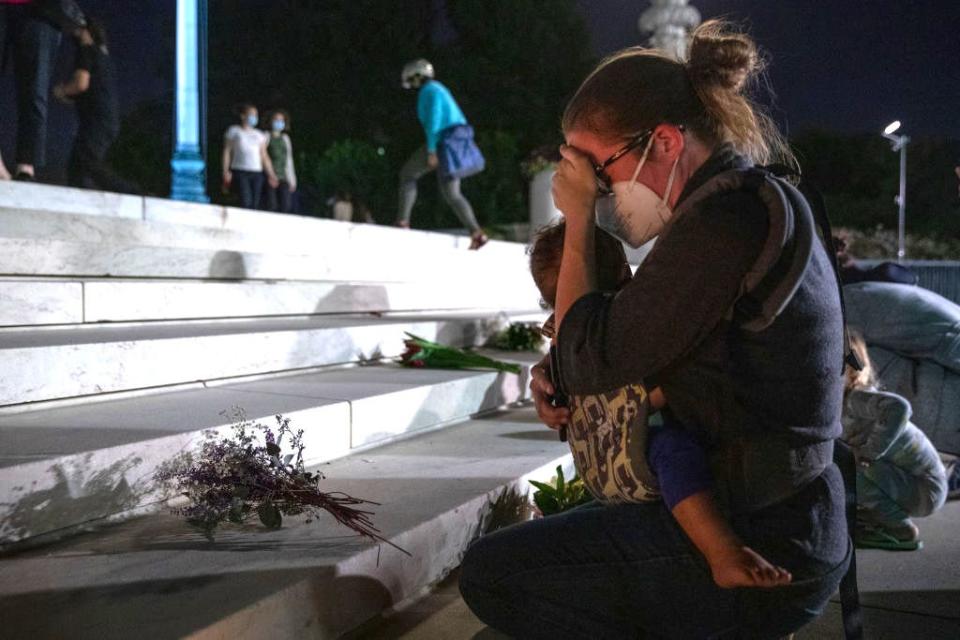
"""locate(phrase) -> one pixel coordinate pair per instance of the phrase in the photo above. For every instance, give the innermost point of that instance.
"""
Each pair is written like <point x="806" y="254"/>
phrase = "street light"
<point x="899" y="143"/>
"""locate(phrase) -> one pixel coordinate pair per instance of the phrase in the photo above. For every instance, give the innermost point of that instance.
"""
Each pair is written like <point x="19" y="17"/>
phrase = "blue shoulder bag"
<point x="458" y="154"/>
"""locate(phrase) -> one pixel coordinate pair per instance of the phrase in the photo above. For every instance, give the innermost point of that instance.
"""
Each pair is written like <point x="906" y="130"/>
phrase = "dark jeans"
<point x="624" y="571"/>
<point x="88" y="168"/>
<point x="279" y="199"/>
<point x="33" y="44"/>
<point x="248" y="185"/>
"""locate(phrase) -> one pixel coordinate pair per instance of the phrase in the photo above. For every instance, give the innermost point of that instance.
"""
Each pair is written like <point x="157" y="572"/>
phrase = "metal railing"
<point x="939" y="276"/>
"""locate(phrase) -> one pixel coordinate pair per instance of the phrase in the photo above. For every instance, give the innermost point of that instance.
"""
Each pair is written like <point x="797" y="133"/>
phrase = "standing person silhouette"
<point x="93" y="88"/>
<point x="245" y="158"/>
<point x="280" y="149"/>
<point x="439" y="114"/>
<point x="30" y="32"/>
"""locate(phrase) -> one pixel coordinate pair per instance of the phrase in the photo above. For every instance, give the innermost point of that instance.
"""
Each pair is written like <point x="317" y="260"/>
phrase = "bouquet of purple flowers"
<point x="233" y="479"/>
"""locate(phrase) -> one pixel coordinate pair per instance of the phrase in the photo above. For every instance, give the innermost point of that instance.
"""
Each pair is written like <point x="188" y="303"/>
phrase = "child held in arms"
<point x="899" y="473"/>
<point x="673" y="455"/>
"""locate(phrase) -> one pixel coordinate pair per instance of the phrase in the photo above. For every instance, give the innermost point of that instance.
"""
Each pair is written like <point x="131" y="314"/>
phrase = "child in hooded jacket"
<point x="899" y="473"/>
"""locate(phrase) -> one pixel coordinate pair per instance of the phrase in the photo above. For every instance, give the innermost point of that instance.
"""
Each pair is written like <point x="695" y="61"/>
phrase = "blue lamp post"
<point x="189" y="163"/>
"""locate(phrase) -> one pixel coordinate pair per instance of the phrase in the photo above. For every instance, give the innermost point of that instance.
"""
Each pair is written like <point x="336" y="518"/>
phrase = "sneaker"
<point x="900" y="536"/>
<point x="23" y="176"/>
<point x="478" y="241"/>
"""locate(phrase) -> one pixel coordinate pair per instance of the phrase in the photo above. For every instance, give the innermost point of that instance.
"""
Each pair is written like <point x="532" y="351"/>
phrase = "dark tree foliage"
<point x="859" y="177"/>
<point x="141" y="153"/>
<point x="335" y="65"/>
<point x="512" y="64"/>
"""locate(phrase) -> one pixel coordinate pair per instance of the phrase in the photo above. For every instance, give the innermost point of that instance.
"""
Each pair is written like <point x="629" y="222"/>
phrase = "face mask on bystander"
<point x="632" y="211"/>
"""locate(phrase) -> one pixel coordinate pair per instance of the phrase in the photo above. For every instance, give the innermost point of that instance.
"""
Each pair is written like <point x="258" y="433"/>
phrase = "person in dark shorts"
<point x="93" y="89"/>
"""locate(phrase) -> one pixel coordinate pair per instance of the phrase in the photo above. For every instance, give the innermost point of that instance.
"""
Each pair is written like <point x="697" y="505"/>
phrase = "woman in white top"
<point x="245" y="159"/>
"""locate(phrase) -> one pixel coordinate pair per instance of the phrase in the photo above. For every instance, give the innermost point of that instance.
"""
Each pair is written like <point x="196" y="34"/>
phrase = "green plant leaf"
<point x="561" y="485"/>
<point x="544" y="488"/>
<point x="546" y="503"/>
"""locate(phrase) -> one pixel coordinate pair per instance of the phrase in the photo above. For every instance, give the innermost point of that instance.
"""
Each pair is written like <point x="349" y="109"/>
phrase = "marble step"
<point x="331" y="262"/>
<point x="103" y="454"/>
<point x="43" y="211"/>
<point x="42" y="197"/>
<point x="154" y="577"/>
<point x="85" y="300"/>
<point x="40" y="364"/>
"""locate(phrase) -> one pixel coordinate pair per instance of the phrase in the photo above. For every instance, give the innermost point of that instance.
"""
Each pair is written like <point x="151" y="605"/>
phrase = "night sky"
<point x="841" y="65"/>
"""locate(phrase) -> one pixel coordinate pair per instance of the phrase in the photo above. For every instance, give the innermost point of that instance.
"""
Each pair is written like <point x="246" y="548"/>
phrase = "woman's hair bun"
<point x="721" y="57"/>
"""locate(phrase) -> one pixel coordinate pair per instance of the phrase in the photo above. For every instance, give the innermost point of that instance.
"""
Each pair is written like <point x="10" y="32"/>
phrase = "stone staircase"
<point x="129" y="325"/>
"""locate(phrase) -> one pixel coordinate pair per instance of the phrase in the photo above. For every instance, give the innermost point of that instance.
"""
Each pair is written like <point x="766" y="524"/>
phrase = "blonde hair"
<point x="636" y="89"/>
<point x="865" y="378"/>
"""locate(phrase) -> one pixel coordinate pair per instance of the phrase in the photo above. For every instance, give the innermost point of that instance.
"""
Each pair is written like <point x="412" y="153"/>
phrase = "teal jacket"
<point x="437" y="111"/>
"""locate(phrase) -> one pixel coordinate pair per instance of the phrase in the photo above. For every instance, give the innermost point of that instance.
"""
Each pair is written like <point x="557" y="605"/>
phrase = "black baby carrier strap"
<point x="842" y="454"/>
<point x="849" y="591"/>
<point x="797" y="215"/>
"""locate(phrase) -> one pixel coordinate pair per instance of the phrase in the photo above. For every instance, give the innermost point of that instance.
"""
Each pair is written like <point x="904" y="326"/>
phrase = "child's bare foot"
<point x="741" y="566"/>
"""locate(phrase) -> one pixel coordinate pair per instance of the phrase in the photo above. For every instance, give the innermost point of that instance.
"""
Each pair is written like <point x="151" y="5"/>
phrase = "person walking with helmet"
<point x="449" y="149"/>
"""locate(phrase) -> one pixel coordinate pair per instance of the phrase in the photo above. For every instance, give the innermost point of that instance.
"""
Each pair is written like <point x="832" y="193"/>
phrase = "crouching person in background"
<point x="899" y="473"/>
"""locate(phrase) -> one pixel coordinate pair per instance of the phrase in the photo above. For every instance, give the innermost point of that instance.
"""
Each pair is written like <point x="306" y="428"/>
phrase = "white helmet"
<point x="413" y="69"/>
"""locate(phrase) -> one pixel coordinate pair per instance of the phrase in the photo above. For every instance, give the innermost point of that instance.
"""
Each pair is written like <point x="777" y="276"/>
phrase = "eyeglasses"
<point x="603" y="180"/>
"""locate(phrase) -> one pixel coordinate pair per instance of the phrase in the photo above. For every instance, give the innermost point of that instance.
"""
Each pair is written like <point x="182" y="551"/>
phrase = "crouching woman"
<point x="647" y="136"/>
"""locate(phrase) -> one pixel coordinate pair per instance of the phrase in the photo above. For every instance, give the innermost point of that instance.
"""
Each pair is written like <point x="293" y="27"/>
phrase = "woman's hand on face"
<point x="575" y="185"/>
<point x="541" y="388"/>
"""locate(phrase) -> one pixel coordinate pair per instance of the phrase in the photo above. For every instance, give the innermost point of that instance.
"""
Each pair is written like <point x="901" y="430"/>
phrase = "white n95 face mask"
<point x="633" y="212"/>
